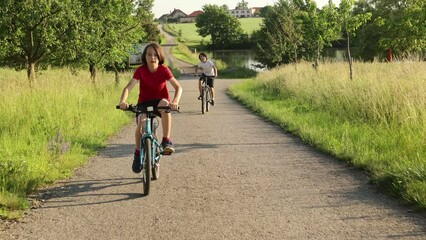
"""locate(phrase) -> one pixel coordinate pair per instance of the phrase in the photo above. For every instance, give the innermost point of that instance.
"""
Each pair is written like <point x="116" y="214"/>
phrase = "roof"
<point x="175" y="11"/>
<point x="195" y="13"/>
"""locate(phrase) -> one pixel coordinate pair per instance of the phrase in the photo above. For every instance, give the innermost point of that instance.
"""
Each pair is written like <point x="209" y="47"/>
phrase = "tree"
<point x="32" y="31"/>
<point x="146" y="20"/>
<point x="224" y="29"/>
<point x="350" y="23"/>
<point x="264" y="11"/>
<point x="242" y="5"/>
<point x="280" y="37"/>
<point x="320" y="28"/>
<point x="108" y="32"/>
<point x="402" y="24"/>
<point x="73" y="32"/>
<point x="368" y="36"/>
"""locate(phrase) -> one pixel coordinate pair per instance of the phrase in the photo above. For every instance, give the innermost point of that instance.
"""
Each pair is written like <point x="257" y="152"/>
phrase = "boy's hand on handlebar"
<point x="174" y="106"/>
<point x="124" y="106"/>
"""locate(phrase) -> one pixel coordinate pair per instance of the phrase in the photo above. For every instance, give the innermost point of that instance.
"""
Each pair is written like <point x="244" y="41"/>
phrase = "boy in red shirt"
<point x="152" y="77"/>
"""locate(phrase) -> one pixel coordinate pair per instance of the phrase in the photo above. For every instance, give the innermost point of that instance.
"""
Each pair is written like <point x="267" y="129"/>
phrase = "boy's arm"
<point x="178" y="93"/>
<point x="125" y="94"/>
<point x="196" y="69"/>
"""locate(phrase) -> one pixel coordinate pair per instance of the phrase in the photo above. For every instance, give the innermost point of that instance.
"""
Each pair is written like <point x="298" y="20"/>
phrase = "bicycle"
<point x="206" y="94"/>
<point x="150" y="148"/>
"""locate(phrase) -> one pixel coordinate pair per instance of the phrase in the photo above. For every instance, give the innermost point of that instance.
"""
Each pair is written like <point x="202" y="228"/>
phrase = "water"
<point x="235" y="58"/>
<point x="246" y="58"/>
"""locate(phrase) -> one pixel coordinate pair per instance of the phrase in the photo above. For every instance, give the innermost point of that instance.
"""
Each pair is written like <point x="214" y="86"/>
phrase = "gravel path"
<point x="233" y="176"/>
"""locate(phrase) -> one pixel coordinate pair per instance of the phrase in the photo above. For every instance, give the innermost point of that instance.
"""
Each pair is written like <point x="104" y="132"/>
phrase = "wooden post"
<point x="389" y="55"/>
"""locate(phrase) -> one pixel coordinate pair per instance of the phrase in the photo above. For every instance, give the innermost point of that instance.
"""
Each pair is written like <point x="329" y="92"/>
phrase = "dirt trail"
<point x="233" y="176"/>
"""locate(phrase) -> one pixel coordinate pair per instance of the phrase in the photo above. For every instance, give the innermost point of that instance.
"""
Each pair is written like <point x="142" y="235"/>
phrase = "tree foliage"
<point x="396" y="25"/>
<point x="320" y="28"/>
<point x="33" y="31"/>
<point x="225" y="30"/>
<point x="108" y="30"/>
<point x="77" y="32"/>
<point x="280" y="37"/>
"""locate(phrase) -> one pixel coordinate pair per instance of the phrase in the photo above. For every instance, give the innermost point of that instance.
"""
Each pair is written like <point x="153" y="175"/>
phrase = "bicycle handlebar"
<point x="136" y="109"/>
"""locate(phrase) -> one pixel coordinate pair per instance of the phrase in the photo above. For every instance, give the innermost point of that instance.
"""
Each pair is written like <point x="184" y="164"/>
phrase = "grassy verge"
<point x="48" y="131"/>
<point x="376" y="122"/>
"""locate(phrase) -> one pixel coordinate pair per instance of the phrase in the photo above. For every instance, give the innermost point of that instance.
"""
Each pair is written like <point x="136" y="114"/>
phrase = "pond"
<point x="235" y="58"/>
<point x="246" y="58"/>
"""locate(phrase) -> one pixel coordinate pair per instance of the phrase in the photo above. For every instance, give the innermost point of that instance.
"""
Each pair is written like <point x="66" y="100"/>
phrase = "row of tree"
<point x="294" y="30"/>
<point x="39" y="33"/>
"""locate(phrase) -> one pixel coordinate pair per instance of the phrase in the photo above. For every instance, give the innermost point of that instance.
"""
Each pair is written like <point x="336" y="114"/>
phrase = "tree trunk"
<point x="117" y="76"/>
<point x="93" y="72"/>
<point x="31" y="73"/>
<point x="349" y="57"/>
<point x="317" y="58"/>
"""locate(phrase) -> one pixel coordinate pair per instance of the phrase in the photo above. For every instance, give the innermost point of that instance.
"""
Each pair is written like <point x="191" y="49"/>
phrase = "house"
<point x="191" y="17"/>
<point x="163" y="18"/>
<point x="242" y="13"/>
<point x="173" y="16"/>
<point x="256" y="10"/>
<point x="176" y="14"/>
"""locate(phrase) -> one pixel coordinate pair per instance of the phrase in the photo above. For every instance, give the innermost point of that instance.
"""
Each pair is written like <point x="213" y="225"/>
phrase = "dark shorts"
<point x="210" y="80"/>
<point x="154" y="103"/>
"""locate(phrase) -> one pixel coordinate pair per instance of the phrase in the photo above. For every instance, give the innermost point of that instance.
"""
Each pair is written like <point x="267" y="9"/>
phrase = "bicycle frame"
<point x="206" y="95"/>
<point x="150" y="149"/>
<point x="149" y="133"/>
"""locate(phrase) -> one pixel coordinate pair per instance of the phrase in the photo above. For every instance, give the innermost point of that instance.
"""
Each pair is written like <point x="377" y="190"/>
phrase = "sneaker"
<point x="199" y="97"/>
<point x="212" y="102"/>
<point x="136" y="166"/>
<point x="167" y="147"/>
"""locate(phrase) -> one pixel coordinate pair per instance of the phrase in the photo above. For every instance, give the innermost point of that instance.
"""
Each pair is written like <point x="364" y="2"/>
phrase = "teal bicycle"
<point x="150" y="148"/>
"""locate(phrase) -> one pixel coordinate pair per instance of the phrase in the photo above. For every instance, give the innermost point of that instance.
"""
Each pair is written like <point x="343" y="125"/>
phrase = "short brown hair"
<point x="158" y="49"/>
<point x="204" y="55"/>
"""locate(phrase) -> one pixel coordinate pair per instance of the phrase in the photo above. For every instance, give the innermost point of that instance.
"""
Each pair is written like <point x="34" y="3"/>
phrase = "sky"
<point x="188" y="6"/>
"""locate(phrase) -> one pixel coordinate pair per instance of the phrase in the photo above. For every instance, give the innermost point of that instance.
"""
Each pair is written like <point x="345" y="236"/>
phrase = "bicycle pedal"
<point x="167" y="153"/>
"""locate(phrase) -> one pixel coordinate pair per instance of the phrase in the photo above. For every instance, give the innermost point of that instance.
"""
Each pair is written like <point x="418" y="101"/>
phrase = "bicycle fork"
<point x="156" y="148"/>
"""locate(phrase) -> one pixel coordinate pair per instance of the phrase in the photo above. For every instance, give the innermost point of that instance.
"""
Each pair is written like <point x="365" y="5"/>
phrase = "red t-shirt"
<point x="153" y="85"/>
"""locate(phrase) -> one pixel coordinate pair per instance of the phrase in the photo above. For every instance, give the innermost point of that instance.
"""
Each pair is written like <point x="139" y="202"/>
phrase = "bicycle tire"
<point x="203" y="101"/>
<point x="208" y="97"/>
<point x="147" y="165"/>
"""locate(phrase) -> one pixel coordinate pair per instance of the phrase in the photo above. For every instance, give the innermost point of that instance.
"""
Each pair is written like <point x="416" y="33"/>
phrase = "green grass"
<point x="48" y="131"/>
<point x="190" y="37"/>
<point x="376" y="122"/>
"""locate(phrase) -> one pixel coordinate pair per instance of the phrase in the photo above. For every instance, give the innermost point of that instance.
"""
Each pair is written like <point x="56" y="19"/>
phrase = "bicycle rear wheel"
<point x="203" y="100"/>
<point x="147" y="162"/>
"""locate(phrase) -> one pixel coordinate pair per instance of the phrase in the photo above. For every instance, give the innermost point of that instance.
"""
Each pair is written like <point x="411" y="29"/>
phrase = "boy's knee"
<point x="163" y="103"/>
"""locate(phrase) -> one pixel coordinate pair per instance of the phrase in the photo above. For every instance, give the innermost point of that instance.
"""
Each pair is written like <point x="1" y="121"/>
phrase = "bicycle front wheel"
<point x="147" y="165"/>
<point x="208" y="98"/>
<point x="203" y="100"/>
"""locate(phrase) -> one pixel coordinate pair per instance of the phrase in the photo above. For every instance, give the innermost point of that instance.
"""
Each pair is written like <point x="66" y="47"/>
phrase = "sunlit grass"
<point x="377" y="121"/>
<point x="49" y="130"/>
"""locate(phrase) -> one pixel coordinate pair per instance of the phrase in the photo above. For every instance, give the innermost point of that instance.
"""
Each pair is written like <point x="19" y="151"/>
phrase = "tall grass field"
<point x="49" y="130"/>
<point x="377" y="121"/>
